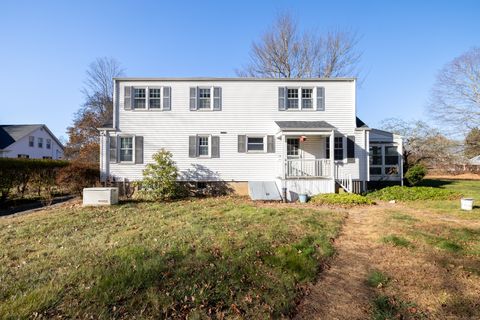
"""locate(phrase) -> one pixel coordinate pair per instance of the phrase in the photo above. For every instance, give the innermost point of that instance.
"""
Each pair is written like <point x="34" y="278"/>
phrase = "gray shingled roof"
<point x="12" y="133"/>
<point x="303" y="125"/>
<point x="361" y="124"/>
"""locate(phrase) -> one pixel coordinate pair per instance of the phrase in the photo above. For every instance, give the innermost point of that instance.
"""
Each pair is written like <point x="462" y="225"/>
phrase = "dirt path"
<point x="340" y="292"/>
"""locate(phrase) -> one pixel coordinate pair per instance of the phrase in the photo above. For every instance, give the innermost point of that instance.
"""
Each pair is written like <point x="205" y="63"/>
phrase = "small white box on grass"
<point x="100" y="196"/>
<point x="466" y="204"/>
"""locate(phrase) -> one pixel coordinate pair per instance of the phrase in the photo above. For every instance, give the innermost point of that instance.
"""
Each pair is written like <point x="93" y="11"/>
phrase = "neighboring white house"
<point x="475" y="161"/>
<point x="284" y="132"/>
<point x="29" y="141"/>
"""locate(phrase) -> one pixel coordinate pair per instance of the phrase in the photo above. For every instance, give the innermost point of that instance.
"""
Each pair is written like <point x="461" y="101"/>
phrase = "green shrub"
<point x="160" y="179"/>
<point x="345" y="199"/>
<point x="415" y="174"/>
<point x="402" y="193"/>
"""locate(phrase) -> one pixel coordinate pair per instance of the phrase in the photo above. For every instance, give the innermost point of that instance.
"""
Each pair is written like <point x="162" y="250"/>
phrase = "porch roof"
<point x="304" y="125"/>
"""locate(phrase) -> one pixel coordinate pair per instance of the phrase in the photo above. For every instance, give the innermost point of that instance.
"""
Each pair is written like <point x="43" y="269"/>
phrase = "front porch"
<point x="306" y="164"/>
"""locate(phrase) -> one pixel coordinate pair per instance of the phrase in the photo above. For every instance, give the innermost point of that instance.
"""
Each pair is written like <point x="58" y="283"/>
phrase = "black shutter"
<point x="192" y="146"/>
<point x="327" y="148"/>
<point x="351" y="149"/>
<point x="242" y="148"/>
<point x="138" y="149"/>
<point x="281" y="99"/>
<point x="167" y="98"/>
<point x="127" y="98"/>
<point x="320" y="99"/>
<point x="270" y="144"/>
<point x="215" y="147"/>
<point x="113" y="148"/>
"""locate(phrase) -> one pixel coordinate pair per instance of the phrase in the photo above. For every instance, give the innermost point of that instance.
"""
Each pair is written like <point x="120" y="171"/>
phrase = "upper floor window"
<point x="126" y="149"/>
<point x="49" y="144"/>
<point x="40" y="142"/>
<point x="139" y="98"/>
<point x="307" y="98"/>
<point x="155" y="96"/>
<point x="204" y="98"/>
<point x="31" y="141"/>
<point x="301" y="98"/>
<point x="292" y="98"/>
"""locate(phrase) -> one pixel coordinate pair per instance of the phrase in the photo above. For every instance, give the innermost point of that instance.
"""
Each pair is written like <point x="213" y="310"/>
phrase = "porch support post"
<point x="332" y="154"/>
<point x="284" y="152"/>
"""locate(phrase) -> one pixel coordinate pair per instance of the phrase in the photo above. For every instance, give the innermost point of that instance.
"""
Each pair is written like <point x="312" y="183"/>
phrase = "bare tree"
<point x="455" y="98"/>
<point x="424" y="144"/>
<point x="285" y="52"/>
<point x="95" y="112"/>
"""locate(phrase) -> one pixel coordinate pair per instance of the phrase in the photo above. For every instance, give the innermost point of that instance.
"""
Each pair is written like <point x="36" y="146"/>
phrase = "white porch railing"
<point x="308" y="168"/>
<point x="343" y="179"/>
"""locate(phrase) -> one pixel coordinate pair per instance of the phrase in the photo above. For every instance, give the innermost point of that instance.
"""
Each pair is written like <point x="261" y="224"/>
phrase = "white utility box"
<point x="100" y="196"/>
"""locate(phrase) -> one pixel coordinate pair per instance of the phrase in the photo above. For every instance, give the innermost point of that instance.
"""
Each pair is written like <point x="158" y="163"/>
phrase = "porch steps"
<point x="263" y="190"/>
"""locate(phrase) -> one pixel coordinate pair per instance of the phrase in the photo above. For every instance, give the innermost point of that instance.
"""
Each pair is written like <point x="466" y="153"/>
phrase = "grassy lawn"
<point x="197" y="258"/>
<point x="436" y="249"/>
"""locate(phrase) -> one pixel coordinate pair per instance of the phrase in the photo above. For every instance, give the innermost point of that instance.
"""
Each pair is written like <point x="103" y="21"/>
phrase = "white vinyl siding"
<point x="248" y="108"/>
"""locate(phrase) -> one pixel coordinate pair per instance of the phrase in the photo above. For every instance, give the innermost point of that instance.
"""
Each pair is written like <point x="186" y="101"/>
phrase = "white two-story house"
<point x="302" y="136"/>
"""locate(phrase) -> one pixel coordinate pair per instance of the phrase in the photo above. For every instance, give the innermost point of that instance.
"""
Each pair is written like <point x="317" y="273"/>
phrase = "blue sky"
<point x="46" y="47"/>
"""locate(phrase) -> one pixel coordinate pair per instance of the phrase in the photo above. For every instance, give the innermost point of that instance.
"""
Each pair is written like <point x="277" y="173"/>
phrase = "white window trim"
<point x="264" y="137"/>
<point x="211" y="98"/>
<point x="118" y="137"/>
<point x="209" y="136"/>
<point x="299" y="102"/>
<point x="147" y="98"/>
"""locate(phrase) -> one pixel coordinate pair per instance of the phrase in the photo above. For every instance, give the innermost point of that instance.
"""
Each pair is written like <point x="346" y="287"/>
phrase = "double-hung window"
<point x="126" y="149"/>
<point x="338" y="148"/>
<point x="255" y="144"/>
<point x="307" y="98"/>
<point x="203" y="146"/>
<point x="49" y="143"/>
<point x="40" y="142"/>
<point x="154" y="95"/>
<point x="204" y="98"/>
<point x="31" y="141"/>
<point x="292" y="98"/>
<point x="139" y="98"/>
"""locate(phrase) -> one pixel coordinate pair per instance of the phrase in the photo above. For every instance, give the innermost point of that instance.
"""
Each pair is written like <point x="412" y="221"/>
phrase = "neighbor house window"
<point x="204" y="98"/>
<point x="126" y="149"/>
<point x="40" y="142"/>
<point x="23" y="156"/>
<point x="203" y="146"/>
<point x="154" y="100"/>
<point x="292" y="98"/>
<point x="139" y="98"/>
<point x="49" y="143"/>
<point x="293" y="146"/>
<point x="307" y="98"/>
<point x="47" y="158"/>
<point x="255" y="144"/>
<point x="338" y="148"/>
<point x="31" y="141"/>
